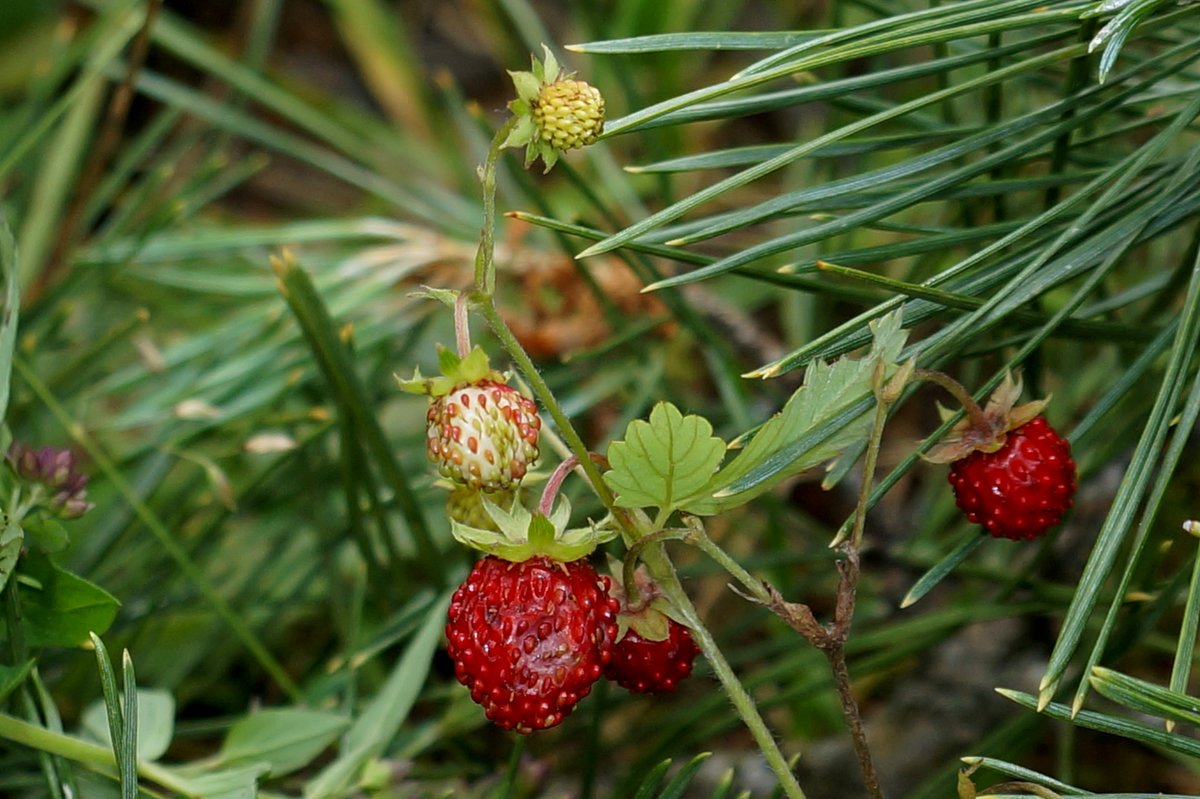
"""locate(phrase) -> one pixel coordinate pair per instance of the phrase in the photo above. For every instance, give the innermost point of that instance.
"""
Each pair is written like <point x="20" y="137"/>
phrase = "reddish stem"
<point x="974" y="412"/>
<point x="462" y="326"/>
<point x="550" y="492"/>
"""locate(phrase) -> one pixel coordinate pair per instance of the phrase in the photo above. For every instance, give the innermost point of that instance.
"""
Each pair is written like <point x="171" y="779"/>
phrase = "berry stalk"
<point x="660" y="567"/>
<point x="485" y="265"/>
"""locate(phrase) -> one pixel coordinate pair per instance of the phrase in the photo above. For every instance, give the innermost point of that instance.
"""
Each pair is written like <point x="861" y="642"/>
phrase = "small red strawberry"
<point x="531" y="638"/>
<point x="654" y="652"/>
<point x="480" y="432"/>
<point x="1022" y="489"/>
<point x="532" y="627"/>
<point x="1010" y="471"/>
<point x="653" y="667"/>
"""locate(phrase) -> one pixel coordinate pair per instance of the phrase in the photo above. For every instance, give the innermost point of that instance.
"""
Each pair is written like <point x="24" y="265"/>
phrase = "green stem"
<point x="487" y="307"/>
<point x="660" y="568"/>
<point x="90" y="754"/>
<point x="633" y="597"/>
<point x="872" y="458"/>
<point x="485" y="265"/>
<point x="709" y="547"/>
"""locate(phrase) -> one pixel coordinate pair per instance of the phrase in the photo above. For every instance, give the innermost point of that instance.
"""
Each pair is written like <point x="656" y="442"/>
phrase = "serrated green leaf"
<point x="660" y="460"/>
<point x="829" y="390"/>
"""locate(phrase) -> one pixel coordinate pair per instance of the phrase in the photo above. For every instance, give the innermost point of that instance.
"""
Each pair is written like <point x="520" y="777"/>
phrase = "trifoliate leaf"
<point x="820" y="421"/>
<point x="663" y="459"/>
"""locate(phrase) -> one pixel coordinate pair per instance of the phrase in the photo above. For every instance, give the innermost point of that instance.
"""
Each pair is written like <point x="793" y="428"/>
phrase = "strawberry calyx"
<point x="521" y="535"/>
<point x="986" y="429"/>
<point x="646" y="610"/>
<point x="457" y="371"/>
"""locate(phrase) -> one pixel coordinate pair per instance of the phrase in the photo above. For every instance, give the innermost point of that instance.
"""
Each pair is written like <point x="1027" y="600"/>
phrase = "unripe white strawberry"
<point x="483" y="435"/>
<point x="480" y="432"/>
<point x="553" y="112"/>
<point x="569" y="114"/>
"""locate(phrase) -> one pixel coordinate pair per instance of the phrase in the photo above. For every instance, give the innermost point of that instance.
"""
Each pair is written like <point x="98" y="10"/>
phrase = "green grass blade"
<point x="1181" y="669"/>
<point x="913" y="20"/>
<point x="127" y="758"/>
<point x="679" y="783"/>
<point x="699" y="40"/>
<point x="1145" y="697"/>
<point x="371" y="732"/>
<point x="1166" y="470"/>
<point x="750" y="175"/>
<point x="112" y="708"/>
<point x="1133" y="488"/>
<point x="187" y="566"/>
<point x="338" y="367"/>
<point x="9" y="311"/>
<point x="1109" y="724"/>
<point x="942" y="568"/>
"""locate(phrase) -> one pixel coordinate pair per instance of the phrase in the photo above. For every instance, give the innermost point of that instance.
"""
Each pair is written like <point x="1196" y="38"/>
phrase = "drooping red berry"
<point x="1023" y="488"/>
<point x="652" y="667"/>
<point x="531" y="638"/>
<point x="483" y="435"/>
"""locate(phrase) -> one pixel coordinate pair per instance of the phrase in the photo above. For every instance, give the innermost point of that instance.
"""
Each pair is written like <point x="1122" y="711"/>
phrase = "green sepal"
<point x="523" y="535"/>
<point x="528" y="86"/>
<point x="550" y="69"/>
<point x="447" y="297"/>
<point x="524" y="131"/>
<point x="455" y="372"/>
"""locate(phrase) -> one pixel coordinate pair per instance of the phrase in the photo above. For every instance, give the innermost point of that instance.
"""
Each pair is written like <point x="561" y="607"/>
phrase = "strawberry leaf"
<point x="827" y="416"/>
<point x="660" y="460"/>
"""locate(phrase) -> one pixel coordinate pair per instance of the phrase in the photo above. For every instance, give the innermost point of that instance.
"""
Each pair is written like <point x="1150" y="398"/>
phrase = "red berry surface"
<point x="1022" y="489"/>
<point x="530" y="639"/>
<point x="652" y="667"/>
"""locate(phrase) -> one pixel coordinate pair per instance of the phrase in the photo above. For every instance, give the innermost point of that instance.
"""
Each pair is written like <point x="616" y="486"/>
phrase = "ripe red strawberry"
<point x="483" y="435"/>
<point x="652" y="667"/>
<point x="531" y="638"/>
<point x="1022" y="489"/>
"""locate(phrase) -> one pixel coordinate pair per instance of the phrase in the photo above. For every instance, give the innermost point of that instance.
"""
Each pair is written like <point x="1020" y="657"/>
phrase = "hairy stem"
<point x="752" y="584"/>
<point x="841" y="679"/>
<point x="974" y="412"/>
<point x="660" y="568"/>
<point x="485" y="265"/>
<point x="487" y="307"/>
